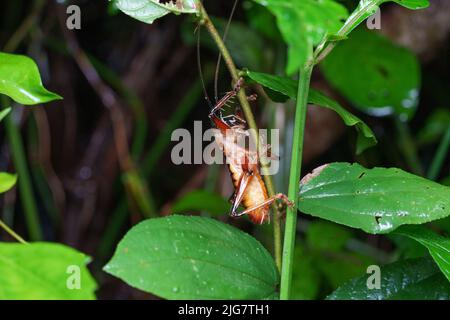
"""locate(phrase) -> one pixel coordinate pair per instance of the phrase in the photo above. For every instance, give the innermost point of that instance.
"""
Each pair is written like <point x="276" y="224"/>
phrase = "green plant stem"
<point x="408" y="147"/>
<point x="11" y="232"/>
<point x="24" y="182"/>
<point x="294" y="179"/>
<point x="439" y="157"/>
<point x="14" y="138"/>
<point x="206" y="21"/>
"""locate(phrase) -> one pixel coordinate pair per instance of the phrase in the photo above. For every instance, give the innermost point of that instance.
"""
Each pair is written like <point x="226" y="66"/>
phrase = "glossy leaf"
<point x="201" y="200"/>
<point x="21" y="81"/>
<point x="4" y="113"/>
<point x="415" y="279"/>
<point x="438" y="246"/>
<point x="43" y="271"/>
<point x="180" y="257"/>
<point x="149" y="10"/>
<point x="375" y="200"/>
<point x="380" y="78"/>
<point x="7" y="181"/>
<point x="303" y="24"/>
<point x="281" y="88"/>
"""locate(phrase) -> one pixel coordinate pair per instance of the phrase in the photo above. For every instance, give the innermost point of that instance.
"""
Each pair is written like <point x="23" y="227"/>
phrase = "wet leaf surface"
<point x="21" y="81"/>
<point x="303" y="24"/>
<point x="375" y="200"/>
<point x="415" y="279"/>
<point x="438" y="246"/>
<point x="149" y="10"/>
<point x="181" y="257"/>
<point x="42" y="271"/>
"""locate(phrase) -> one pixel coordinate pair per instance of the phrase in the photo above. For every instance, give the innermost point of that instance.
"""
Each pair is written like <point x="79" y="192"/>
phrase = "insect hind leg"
<point x="269" y="201"/>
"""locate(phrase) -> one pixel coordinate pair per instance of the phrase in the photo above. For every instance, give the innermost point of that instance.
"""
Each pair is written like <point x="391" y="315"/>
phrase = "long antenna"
<point x="199" y="65"/>
<point x="225" y="33"/>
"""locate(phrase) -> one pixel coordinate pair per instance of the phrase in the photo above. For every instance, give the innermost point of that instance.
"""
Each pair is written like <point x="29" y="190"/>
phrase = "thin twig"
<point x="11" y="232"/>
<point x="206" y="21"/>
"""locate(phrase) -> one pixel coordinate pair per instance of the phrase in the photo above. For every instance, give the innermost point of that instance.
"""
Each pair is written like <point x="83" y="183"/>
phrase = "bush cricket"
<point x="243" y="164"/>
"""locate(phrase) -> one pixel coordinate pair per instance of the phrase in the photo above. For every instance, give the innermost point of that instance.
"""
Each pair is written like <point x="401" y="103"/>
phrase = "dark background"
<point x="77" y="148"/>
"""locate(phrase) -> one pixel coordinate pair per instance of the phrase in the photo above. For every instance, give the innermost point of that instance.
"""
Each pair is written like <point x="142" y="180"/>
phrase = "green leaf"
<point x="414" y="279"/>
<point x="324" y="235"/>
<point x="411" y="4"/>
<point x="375" y="200"/>
<point x="260" y="19"/>
<point x="303" y="24"/>
<point x="366" y="8"/>
<point x="40" y="270"/>
<point x="149" y="10"/>
<point x="7" y="181"/>
<point x="180" y="257"/>
<point x="201" y="200"/>
<point x="21" y="81"/>
<point x="438" y="246"/>
<point x="380" y="78"/>
<point x="278" y="88"/>
<point x="281" y="88"/>
<point x="4" y="113"/>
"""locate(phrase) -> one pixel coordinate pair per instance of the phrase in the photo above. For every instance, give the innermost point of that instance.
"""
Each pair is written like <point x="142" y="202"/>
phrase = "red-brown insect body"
<point x="241" y="162"/>
<point x="255" y="194"/>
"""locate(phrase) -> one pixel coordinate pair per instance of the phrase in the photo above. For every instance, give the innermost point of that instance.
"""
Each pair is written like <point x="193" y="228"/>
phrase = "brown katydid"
<point x="243" y="164"/>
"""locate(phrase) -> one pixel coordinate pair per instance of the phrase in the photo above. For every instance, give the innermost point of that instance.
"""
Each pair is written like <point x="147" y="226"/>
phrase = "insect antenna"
<point x="219" y="58"/>
<point x="200" y="71"/>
